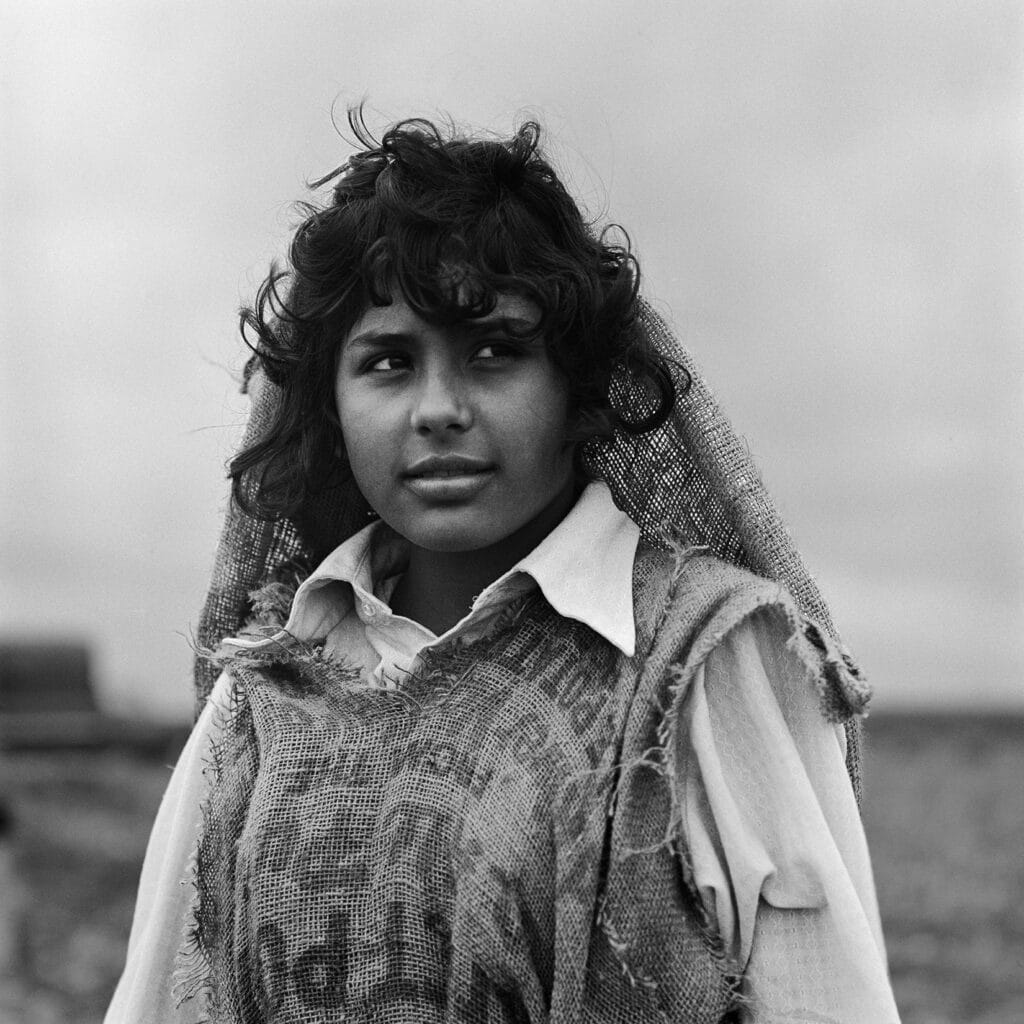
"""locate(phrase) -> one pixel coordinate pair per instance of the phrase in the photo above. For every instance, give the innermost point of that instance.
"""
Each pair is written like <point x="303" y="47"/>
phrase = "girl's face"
<point x="456" y="435"/>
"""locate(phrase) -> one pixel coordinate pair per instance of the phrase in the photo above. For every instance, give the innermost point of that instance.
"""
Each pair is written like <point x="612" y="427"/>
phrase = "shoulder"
<point x="689" y="602"/>
<point x="688" y="588"/>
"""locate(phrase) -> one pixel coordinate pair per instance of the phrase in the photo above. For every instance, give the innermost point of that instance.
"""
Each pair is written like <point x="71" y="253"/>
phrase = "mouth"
<point x="446" y="467"/>
<point x="448" y="478"/>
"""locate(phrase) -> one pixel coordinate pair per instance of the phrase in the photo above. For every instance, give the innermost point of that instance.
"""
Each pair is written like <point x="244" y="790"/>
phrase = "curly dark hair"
<point x="450" y="221"/>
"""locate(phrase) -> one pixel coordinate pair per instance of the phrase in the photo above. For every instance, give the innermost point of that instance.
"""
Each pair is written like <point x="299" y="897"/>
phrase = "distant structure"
<point x="11" y="904"/>
<point x="47" y="700"/>
<point x="46" y="695"/>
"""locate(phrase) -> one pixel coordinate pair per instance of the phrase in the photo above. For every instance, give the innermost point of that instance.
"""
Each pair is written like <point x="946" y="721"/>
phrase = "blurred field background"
<point x="944" y="814"/>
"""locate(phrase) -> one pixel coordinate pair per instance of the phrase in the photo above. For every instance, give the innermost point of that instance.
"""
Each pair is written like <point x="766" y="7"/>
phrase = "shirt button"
<point x="369" y="610"/>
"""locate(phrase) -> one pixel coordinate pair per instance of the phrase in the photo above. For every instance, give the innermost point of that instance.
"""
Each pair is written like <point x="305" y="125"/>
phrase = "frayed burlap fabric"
<point x="692" y="480"/>
<point x="499" y="840"/>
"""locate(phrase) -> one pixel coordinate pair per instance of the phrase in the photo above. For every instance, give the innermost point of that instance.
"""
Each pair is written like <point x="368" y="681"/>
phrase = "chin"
<point x="451" y="541"/>
<point x="449" y="531"/>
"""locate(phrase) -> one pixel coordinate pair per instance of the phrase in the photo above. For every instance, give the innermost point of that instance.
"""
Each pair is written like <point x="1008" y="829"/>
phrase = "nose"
<point x="441" y="405"/>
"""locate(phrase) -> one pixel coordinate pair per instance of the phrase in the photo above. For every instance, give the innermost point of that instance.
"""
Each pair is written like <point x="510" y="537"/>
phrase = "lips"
<point x="442" y="467"/>
<point x="448" y="479"/>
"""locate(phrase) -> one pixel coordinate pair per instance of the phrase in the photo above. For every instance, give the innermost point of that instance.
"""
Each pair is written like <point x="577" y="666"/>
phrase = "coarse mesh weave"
<point x="492" y="842"/>
<point x="499" y="839"/>
<point x="692" y="479"/>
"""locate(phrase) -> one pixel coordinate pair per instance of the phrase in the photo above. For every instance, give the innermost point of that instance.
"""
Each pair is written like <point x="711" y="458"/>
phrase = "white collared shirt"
<point x="775" y="837"/>
<point x="343" y="603"/>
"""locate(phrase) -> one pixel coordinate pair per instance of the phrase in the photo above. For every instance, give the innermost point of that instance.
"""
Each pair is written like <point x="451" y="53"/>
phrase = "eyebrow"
<point x="514" y="326"/>
<point x="378" y="338"/>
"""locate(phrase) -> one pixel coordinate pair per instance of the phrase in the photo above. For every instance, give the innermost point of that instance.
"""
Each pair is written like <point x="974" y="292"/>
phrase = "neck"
<point x="439" y="587"/>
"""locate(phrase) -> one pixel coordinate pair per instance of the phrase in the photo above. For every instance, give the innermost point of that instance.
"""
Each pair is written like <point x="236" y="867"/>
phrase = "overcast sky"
<point x="825" y="198"/>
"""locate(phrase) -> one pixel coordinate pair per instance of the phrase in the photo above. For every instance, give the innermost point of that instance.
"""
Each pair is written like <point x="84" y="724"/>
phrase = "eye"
<point x="496" y="350"/>
<point x="389" y="362"/>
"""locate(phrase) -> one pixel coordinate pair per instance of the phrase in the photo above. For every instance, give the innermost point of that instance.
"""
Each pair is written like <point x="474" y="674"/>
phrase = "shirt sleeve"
<point x="775" y="838"/>
<point x="144" y="993"/>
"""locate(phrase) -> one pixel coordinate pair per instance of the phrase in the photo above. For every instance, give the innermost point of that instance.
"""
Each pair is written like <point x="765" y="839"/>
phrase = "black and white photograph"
<point x="511" y="513"/>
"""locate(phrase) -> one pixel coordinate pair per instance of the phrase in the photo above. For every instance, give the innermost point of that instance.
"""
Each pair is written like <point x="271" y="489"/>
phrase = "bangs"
<point x="448" y="275"/>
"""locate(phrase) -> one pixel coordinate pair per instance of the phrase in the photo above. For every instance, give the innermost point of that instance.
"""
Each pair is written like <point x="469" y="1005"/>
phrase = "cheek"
<point x="556" y="414"/>
<point x="361" y="436"/>
<point x="543" y="430"/>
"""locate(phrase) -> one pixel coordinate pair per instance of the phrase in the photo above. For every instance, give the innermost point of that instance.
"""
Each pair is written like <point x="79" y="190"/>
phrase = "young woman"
<point x="530" y="742"/>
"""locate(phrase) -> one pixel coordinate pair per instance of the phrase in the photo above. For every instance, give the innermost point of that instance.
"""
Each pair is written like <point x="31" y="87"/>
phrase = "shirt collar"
<point x="584" y="568"/>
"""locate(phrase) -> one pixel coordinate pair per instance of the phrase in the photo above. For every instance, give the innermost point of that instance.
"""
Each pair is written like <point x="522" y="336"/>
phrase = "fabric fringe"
<point x="193" y="977"/>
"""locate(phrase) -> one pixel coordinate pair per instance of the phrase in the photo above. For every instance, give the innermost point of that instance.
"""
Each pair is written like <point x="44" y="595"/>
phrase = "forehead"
<point x="398" y="318"/>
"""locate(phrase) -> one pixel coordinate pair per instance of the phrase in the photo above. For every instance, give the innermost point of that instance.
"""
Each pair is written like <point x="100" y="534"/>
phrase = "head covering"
<point x="690" y="481"/>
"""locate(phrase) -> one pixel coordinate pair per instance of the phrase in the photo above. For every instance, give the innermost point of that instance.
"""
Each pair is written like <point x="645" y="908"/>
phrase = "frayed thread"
<point x="843" y="691"/>
<point x="271" y="603"/>
<point x="193" y="976"/>
<point x="621" y="950"/>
